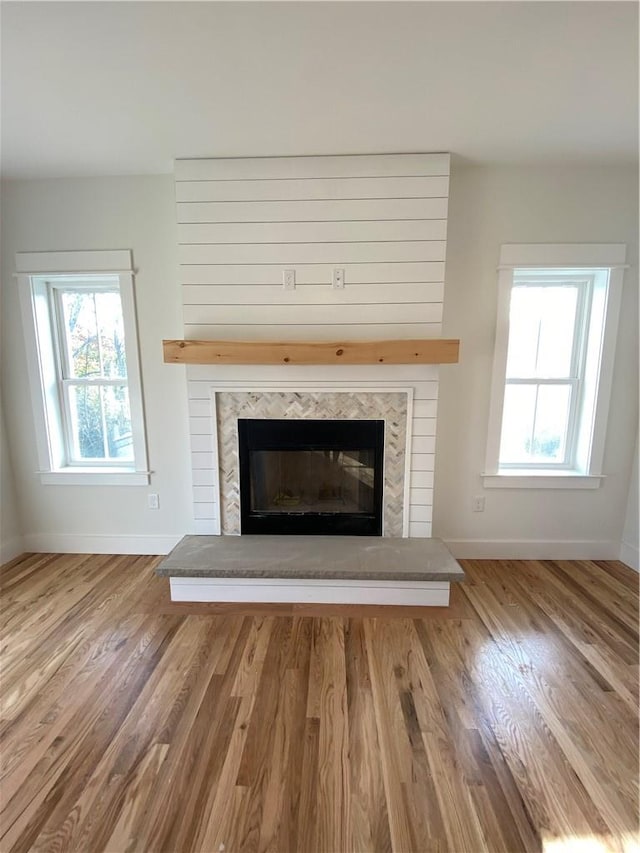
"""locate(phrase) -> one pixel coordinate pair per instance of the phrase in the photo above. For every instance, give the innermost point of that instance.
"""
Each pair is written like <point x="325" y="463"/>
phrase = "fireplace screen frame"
<point x="278" y="434"/>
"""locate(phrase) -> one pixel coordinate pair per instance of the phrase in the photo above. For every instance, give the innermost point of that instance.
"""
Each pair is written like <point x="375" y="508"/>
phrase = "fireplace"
<point x="311" y="476"/>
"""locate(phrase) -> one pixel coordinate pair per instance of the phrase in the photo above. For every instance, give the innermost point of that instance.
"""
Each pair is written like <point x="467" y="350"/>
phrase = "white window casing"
<point x="597" y="271"/>
<point x="38" y="276"/>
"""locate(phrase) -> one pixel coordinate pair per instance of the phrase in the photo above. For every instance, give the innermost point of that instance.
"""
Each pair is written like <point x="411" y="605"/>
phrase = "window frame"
<point x="589" y="427"/>
<point x="38" y="274"/>
<point x="575" y="378"/>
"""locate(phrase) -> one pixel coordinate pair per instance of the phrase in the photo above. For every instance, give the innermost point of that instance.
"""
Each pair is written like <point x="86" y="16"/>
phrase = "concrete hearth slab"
<point x="345" y="558"/>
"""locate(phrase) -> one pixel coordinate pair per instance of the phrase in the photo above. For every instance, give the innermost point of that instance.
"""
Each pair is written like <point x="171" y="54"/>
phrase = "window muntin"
<point x="92" y="369"/>
<point x="546" y="351"/>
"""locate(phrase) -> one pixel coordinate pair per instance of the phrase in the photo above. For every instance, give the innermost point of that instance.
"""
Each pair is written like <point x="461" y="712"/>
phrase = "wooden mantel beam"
<point x="426" y="351"/>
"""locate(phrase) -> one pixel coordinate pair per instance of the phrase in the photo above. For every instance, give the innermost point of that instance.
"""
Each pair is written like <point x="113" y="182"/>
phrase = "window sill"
<point x="95" y="477"/>
<point x="519" y="479"/>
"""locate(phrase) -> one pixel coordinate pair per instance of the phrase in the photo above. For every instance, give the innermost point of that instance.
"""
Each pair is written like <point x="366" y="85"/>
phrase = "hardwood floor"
<point x="507" y="722"/>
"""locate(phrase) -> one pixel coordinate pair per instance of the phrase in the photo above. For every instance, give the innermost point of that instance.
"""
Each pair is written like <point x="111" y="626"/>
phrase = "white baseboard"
<point x="11" y="548"/>
<point x="71" y="543"/>
<point x="630" y="555"/>
<point x="533" y="549"/>
<point x="284" y="591"/>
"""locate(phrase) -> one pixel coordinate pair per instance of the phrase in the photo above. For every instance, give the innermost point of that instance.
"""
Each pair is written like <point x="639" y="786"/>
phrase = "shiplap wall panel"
<point x="315" y="210"/>
<point x="382" y="219"/>
<point x="352" y="166"/>
<point x="421" y="497"/>
<point x="199" y="425"/>
<point x="422" y="480"/>
<point x="311" y="294"/>
<point x="310" y="331"/>
<point x="335" y="254"/>
<point x="329" y="375"/>
<point x="315" y="189"/>
<point x="354" y="274"/>
<point x="425" y="426"/>
<point x="354" y="231"/>
<point x="323" y="315"/>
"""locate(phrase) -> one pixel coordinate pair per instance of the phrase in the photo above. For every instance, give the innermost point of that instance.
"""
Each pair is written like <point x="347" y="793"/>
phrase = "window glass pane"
<point x="524" y="321"/>
<point x="111" y="330"/>
<point x="81" y="331"/>
<point x="534" y="424"/>
<point x="517" y="423"/>
<point x="99" y="414"/>
<point x="118" y="421"/>
<point x="541" y="330"/>
<point x="557" y="326"/>
<point x="87" y="430"/>
<point x="94" y="331"/>
<point x="552" y="416"/>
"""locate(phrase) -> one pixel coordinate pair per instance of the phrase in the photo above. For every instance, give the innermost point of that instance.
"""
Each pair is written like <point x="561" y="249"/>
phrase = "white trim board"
<point x="563" y="254"/>
<point x="533" y="549"/>
<point x="283" y="591"/>
<point x="72" y="543"/>
<point x="31" y="263"/>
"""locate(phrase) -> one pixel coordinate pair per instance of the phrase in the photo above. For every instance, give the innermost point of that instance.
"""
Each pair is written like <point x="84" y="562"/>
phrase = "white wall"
<point x="11" y="542"/>
<point x="110" y="213"/>
<point x="630" y="548"/>
<point x="488" y="207"/>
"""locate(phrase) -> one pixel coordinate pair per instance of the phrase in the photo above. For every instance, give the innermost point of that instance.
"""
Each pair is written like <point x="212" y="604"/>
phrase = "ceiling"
<point x="93" y="88"/>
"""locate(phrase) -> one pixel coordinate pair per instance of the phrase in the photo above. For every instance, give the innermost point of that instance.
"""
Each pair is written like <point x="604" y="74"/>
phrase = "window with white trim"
<point x="80" y="332"/>
<point x="555" y="343"/>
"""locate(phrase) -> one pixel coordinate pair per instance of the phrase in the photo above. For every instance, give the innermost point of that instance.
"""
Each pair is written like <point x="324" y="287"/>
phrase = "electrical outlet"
<point x="153" y="501"/>
<point x="478" y="503"/>
<point x="289" y="279"/>
<point x="338" y="279"/>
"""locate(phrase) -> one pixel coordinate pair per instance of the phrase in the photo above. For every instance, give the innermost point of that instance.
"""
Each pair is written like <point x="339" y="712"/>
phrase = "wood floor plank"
<point x="369" y="819"/>
<point x="187" y="725"/>
<point x="395" y="749"/>
<point x="507" y="722"/>
<point x="334" y="795"/>
<point x="581" y="736"/>
<point x="576" y="631"/>
<point x="556" y="797"/>
<point x="500" y="808"/>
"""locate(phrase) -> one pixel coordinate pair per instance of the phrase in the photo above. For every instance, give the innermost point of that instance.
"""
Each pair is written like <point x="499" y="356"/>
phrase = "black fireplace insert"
<point x="311" y="476"/>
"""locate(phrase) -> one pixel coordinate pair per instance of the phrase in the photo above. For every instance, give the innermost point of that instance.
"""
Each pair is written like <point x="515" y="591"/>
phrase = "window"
<point x="557" y="315"/>
<point x="81" y="342"/>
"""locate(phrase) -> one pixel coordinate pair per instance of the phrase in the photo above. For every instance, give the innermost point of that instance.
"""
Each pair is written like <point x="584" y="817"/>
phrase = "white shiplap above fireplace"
<point x="382" y="219"/>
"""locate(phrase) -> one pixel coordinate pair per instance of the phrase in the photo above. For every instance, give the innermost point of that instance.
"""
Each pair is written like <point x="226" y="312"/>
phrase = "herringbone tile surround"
<point x="389" y="406"/>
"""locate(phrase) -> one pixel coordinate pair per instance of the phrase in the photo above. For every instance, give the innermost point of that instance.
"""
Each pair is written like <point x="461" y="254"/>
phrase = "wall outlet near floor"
<point x="153" y="501"/>
<point x="478" y="503"/>
<point x="338" y="279"/>
<point x="289" y="279"/>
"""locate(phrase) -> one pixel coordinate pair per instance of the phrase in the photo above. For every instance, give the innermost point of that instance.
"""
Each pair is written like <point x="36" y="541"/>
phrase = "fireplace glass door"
<point x="311" y="476"/>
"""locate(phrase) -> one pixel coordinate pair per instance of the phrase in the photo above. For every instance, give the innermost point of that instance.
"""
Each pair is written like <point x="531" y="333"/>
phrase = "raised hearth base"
<point x="311" y="570"/>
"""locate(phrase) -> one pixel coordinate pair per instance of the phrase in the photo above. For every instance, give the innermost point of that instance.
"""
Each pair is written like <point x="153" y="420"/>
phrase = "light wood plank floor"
<point x="507" y="722"/>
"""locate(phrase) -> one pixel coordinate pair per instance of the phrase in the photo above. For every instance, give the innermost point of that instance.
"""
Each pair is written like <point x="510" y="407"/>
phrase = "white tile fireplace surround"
<point x="407" y="405"/>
